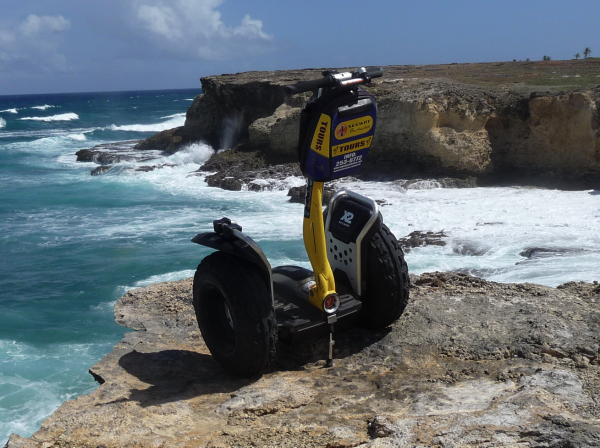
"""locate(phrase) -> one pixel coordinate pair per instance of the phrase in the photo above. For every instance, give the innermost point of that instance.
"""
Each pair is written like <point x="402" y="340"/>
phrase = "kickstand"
<point x="331" y="320"/>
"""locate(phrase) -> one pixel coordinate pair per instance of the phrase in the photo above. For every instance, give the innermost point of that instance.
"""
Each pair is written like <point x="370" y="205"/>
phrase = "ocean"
<point x="72" y="243"/>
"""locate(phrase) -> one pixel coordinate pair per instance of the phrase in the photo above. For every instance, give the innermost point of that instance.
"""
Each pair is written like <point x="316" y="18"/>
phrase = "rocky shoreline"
<point x="470" y="363"/>
<point x="499" y="124"/>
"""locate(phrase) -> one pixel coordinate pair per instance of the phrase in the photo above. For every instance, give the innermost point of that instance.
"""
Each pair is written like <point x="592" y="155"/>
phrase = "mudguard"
<point x="228" y="238"/>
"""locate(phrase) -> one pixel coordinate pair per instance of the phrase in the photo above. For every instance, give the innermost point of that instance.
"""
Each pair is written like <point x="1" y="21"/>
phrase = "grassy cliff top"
<point x="527" y="75"/>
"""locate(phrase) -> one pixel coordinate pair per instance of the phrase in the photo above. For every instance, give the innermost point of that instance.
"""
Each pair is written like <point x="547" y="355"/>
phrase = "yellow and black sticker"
<point x="355" y="145"/>
<point x="320" y="141"/>
<point x="355" y="127"/>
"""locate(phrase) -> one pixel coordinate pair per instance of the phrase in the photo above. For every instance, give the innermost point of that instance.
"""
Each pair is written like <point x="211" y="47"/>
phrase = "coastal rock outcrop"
<point x="427" y="125"/>
<point x="470" y="363"/>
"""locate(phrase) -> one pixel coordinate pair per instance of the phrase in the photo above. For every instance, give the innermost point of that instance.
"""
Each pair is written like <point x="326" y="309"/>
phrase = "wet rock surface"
<point x="420" y="239"/>
<point x="118" y="156"/>
<point x="298" y="194"/>
<point x="470" y="363"/>
<point x="239" y="168"/>
<point x="545" y="252"/>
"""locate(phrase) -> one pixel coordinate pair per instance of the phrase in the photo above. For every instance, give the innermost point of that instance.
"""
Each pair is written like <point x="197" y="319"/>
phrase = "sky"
<point x="55" y="46"/>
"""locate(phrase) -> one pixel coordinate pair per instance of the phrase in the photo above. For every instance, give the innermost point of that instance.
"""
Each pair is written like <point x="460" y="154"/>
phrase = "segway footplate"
<point x="297" y="319"/>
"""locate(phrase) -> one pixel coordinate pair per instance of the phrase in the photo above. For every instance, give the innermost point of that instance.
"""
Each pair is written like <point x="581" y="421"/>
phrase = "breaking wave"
<point x="9" y="111"/>
<point x="173" y="116"/>
<point x="2" y="123"/>
<point x="175" y="121"/>
<point x="77" y="137"/>
<point x="44" y="107"/>
<point x="60" y="117"/>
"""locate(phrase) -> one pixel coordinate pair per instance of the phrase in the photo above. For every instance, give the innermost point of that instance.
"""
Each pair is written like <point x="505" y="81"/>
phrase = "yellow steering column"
<point x="322" y="294"/>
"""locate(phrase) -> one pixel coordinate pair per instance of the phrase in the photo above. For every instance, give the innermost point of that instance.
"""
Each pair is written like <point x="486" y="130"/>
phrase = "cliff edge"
<point x="524" y="122"/>
<point x="470" y="363"/>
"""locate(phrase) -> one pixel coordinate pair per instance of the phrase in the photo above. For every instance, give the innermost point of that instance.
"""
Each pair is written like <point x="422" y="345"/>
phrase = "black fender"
<point x="228" y="237"/>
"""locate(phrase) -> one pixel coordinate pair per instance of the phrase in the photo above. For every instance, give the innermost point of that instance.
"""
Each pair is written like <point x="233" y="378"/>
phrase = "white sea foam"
<point x="10" y="111"/>
<point x="44" y="107"/>
<point x="35" y="381"/>
<point x="60" y="117"/>
<point x="194" y="153"/>
<point x="168" y="277"/>
<point x="48" y="133"/>
<point x="173" y="116"/>
<point x="2" y="123"/>
<point x="78" y="137"/>
<point x="174" y="122"/>
<point x="487" y="228"/>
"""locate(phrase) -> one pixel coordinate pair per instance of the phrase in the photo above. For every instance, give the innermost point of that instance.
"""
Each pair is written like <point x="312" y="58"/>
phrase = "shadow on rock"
<point x="347" y="343"/>
<point x="176" y="375"/>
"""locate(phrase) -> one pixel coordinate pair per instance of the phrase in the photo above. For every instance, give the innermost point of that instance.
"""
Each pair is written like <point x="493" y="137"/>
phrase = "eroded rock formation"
<point x="470" y="363"/>
<point x="426" y="126"/>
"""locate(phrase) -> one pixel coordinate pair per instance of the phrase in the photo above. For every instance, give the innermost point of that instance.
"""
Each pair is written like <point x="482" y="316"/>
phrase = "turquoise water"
<point x="72" y="243"/>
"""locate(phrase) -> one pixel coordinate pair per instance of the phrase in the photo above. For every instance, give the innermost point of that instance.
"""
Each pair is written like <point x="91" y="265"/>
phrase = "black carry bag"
<point x="336" y="132"/>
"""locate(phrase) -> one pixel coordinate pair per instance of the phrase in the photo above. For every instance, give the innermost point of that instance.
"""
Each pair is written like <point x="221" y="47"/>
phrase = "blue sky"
<point x="49" y="46"/>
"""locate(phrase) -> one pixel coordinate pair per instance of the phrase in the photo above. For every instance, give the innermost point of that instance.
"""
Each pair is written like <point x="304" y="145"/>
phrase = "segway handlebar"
<point x="347" y="79"/>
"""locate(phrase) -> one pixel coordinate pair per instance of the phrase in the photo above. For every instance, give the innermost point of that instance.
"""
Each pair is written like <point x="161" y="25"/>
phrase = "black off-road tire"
<point x="235" y="313"/>
<point x="387" y="281"/>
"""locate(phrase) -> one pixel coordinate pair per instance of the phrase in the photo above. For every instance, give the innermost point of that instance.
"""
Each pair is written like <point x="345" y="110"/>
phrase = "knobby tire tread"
<point x="249" y="301"/>
<point x="388" y="293"/>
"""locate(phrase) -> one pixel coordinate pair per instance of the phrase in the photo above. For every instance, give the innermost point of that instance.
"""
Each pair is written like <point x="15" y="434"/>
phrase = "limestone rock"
<point x="277" y="134"/>
<point x="470" y="363"/>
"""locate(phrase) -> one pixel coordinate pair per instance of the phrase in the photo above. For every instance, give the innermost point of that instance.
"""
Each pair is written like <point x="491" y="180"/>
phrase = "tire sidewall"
<point x="240" y="285"/>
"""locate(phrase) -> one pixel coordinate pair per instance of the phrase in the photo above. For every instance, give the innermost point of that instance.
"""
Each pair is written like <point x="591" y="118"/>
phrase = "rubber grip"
<point x="374" y="72"/>
<point x="308" y="86"/>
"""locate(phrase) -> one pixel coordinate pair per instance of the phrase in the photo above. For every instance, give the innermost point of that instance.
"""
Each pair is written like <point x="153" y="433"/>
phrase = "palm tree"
<point x="577" y="56"/>
<point x="586" y="52"/>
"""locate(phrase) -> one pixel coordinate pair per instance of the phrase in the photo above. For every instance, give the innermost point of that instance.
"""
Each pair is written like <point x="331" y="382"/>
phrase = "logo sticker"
<point x="355" y="145"/>
<point x="320" y="141"/>
<point x="341" y="131"/>
<point x="347" y="218"/>
<point x="354" y="127"/>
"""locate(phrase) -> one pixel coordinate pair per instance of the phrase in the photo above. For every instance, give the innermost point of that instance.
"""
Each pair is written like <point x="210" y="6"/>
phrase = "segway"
<point x="244" y="306"/>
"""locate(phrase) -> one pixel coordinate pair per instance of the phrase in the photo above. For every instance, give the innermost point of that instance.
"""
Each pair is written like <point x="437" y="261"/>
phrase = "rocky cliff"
<point x="428" y="124"/>
<point x="470" y="363"/>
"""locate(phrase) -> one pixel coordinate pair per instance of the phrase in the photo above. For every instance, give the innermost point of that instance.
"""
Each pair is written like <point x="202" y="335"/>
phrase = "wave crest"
<point x="60" y="117"/>
<point x="176" y="121"/>
<point x="9" y="111"/>
<point x="2" y="122"/>
<point x="44" y="107"/>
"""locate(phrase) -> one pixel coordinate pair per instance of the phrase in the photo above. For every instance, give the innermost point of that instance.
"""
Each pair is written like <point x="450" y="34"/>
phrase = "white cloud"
<point x="193" y="29"/>
<point x="251" y="28"/>
<point x="35" y="26"/>
<point x="160" y="20"/>
<point x="33" y="45"/>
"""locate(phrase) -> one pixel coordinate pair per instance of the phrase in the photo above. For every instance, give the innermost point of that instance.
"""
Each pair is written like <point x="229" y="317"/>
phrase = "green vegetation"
<point x="577" y="56"/>
<point x="546" y="58"/>
<point x="586" y="52"/>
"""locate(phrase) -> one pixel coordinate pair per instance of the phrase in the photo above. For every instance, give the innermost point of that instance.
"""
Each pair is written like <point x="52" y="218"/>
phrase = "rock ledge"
<point x="470" y="363"/>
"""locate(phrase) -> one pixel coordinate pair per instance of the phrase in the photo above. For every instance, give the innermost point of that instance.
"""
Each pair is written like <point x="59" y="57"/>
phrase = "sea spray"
<point x="230" y="130"/>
